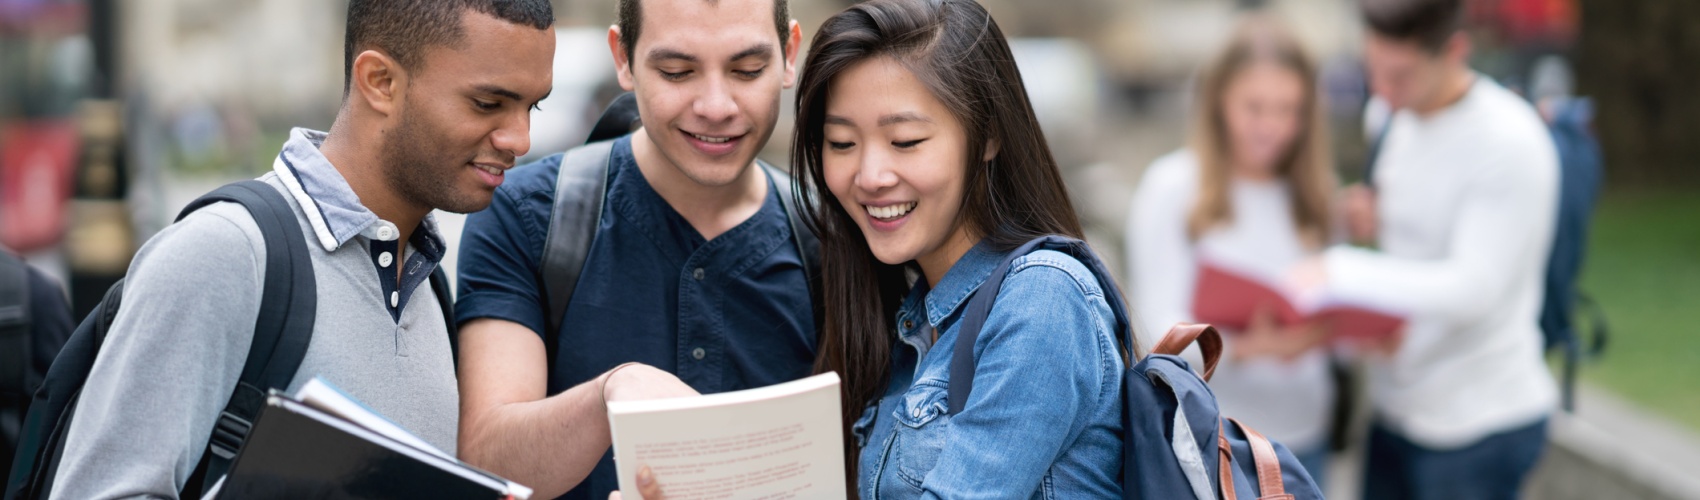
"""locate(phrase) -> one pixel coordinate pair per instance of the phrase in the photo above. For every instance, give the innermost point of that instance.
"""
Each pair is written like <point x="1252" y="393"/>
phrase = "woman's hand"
<point x="1266" y="337"/>
<point x="647" y="487"/>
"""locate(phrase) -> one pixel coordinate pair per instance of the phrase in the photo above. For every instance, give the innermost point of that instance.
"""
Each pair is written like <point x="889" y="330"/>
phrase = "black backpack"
<point x="580" y="188"/>
<point x="282" y="331"/>
<point x="15" y="351"/>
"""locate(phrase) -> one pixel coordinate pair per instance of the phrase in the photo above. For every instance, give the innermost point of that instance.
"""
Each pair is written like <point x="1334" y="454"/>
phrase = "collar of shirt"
<point x="632" y="198"/>
<point x="332" y="208"/>
<point x="952" y="292"/>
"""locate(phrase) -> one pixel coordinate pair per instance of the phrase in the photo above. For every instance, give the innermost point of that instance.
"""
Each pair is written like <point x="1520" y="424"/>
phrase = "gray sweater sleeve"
<point x="170" y="362"/>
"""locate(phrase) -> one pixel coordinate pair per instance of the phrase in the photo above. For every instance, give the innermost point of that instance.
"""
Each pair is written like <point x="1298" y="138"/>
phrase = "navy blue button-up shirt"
<point x="724" y="314"/>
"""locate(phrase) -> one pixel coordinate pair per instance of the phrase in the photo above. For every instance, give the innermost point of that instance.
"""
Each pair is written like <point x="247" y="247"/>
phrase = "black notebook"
<point x="298" y="451"/>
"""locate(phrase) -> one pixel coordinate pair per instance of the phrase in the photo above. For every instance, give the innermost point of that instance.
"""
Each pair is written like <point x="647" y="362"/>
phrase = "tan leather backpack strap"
<point x="1269" y="484"/>
<point x="1184" y="334"/>
<point x="1226" y="469"/>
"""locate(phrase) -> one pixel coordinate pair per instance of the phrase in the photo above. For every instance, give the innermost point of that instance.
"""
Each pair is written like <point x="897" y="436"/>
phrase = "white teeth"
<point x="890" y="211"/>
<point x="711" y="140"/>
<point x="492" y="170"/>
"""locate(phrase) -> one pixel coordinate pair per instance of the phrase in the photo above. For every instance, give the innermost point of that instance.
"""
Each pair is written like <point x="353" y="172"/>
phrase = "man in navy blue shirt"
<point x="693" y="273"/>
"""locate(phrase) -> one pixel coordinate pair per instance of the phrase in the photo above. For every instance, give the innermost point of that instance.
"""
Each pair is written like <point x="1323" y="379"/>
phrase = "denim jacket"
<point x="1044" y="417"/>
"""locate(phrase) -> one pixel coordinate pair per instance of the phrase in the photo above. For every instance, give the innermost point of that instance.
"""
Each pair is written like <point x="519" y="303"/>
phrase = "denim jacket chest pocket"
<point x="921" y="415"/>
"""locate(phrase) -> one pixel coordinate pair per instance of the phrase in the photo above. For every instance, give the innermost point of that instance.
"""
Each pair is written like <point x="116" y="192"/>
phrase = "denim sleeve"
<point x="1043" y="370"/>
<point x="499" y="254"/>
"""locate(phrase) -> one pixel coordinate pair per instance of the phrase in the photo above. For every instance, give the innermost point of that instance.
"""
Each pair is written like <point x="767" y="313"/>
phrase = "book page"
<point x="325" y="397"/>
<point x="777" y="442"/>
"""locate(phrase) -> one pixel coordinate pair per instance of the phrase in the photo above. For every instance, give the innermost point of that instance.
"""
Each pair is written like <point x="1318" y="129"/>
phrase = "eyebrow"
<point x="659" y="55"/>
<point x="884" y="121"/>
<point x="665" y="54"/>
<point x="907" y="116"/>
<point x="758" y="50"/>
<point x="502" y="92"/>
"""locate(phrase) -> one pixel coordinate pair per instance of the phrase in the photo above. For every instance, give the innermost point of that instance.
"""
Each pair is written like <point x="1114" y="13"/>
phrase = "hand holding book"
<point x="781" y="441"/>
<point x="637" y="382"/>
<point x="1265" y="337"/>
<point x="1229" y="297"/>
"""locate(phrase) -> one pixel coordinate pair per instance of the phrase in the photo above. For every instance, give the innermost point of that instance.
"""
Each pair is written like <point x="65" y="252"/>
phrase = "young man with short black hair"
<point x="436" y="108"/>
<point x="694" y="271"/>
<point x="1464" y="200"/>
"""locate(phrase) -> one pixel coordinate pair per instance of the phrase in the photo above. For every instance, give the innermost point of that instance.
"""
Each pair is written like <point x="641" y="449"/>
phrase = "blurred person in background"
<point x="1461" y="208"/>
<point x="1254" y="190"/>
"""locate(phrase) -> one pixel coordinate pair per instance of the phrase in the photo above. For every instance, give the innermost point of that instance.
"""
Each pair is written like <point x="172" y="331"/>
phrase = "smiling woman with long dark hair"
<point x="916" y="138"/>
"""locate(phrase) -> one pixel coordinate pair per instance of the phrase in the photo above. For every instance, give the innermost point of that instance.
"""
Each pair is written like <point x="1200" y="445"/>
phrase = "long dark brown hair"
<point x="957" y="51"/>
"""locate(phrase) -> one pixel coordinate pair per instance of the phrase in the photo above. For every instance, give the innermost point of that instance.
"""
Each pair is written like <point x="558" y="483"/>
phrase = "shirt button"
<point x="395" y="298"/>
<point x="698" y="353"/>
<point x="697" y="274"/>
<point x="385" y="233"/>
<point x="384" y="259"/>
<point x="916" y="413"/>
<point x="908" y="324"/>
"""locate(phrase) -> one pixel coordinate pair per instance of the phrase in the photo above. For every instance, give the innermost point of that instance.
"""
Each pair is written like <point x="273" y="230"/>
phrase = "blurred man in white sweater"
<point x="1462" y="203"/>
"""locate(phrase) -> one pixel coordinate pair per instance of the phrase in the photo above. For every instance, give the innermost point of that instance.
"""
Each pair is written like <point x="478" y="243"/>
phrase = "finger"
<point x="647" y="485"/>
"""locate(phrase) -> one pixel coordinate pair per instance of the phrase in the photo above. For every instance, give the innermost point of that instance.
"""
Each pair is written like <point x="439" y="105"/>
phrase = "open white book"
<point x="776" y="442"/>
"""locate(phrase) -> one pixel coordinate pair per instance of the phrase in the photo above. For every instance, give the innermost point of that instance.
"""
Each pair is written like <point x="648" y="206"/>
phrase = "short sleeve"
<point x="499" y="253"/>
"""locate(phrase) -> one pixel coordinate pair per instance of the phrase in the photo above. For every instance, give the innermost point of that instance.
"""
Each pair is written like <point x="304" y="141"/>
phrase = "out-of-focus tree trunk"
<point x="1638" y="59"/>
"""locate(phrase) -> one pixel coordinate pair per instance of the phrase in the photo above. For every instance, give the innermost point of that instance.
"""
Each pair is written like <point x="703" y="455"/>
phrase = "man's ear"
<point x="1458" y="47"/>
<point x="793" y="44"/>
<point x="622" y="64"/>
<point x="378" y="79"/>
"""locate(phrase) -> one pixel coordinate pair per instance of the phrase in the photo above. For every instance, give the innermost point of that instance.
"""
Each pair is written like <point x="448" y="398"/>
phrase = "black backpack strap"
<point x="445" y="297"/>
<point x="282" y="330"/>
<point x="580" y="188"/>
<point x="980" y="307"/>
<point x="15" y="359"/>
<point x="808" y="246"/>
<point x="618" y="119"/>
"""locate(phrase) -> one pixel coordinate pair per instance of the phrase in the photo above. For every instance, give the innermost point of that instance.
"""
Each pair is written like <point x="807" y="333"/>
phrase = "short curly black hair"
<point x="1429" y="23"/>
<point x="630" y="21"/>
<point x="403" y="28"/>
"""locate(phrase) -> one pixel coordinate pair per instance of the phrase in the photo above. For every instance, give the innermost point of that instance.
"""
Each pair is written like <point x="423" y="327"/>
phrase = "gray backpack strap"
<point x="808" y="246"/>
<point x="579" y="191"/>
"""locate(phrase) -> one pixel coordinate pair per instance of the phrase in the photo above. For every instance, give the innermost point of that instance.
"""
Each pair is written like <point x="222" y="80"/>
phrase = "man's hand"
<point x="1357" y="204"/>
<point x="637" y="381"/>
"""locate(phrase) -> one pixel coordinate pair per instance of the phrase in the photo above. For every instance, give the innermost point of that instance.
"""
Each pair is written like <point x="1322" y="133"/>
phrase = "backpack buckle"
<point x="228" y="435"/>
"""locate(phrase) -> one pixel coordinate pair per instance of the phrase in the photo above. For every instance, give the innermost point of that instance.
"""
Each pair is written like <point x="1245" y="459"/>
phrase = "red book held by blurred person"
<point x="1228" y="297"/>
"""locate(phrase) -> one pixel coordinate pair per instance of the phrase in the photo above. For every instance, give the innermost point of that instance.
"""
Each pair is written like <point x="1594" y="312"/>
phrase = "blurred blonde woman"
<point x="1251" y="190"/>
